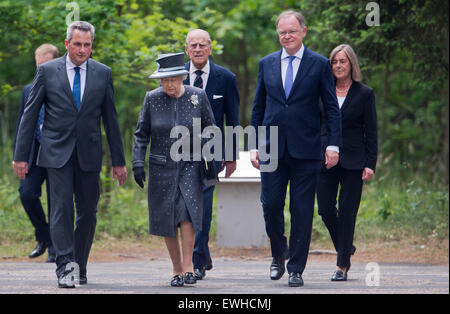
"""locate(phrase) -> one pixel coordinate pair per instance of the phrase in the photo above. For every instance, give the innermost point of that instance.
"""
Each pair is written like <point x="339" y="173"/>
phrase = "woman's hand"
<point x="139" y="176"/>
<point x="367" y="174"/>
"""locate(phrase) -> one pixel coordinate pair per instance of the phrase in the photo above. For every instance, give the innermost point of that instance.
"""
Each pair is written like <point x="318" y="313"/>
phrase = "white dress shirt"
<point x="193" y="75"/>
<point x="70" y="68"/>
<point x="340" y="101"/>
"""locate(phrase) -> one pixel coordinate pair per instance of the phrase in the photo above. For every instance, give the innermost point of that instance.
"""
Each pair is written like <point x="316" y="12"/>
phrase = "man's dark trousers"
<point x="73" y="246"/>
<point x="302" y="175"/>
<point x="201" y="255"/>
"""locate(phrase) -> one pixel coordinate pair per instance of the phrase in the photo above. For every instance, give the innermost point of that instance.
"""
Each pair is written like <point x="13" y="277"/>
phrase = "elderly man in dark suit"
<point x="78" y="93"/>
<point x="220" y="87"/>
<point x="30" y="187"/>
<point x="290" y="84"/>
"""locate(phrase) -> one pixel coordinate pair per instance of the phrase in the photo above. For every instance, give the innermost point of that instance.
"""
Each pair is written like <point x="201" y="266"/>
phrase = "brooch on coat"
<point x="194" y="100"/>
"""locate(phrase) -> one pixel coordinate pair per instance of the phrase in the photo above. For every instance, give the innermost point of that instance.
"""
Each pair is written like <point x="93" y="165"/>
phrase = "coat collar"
<point x="305" y="65"/>
<point x="350" y="94"/>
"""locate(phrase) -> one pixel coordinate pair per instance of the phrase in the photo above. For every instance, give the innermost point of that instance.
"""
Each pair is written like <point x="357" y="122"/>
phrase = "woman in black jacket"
<point x="174" y="187"/>
<point x="357" y="157"/>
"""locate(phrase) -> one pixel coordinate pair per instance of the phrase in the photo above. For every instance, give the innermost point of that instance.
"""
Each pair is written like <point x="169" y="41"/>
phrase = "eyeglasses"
<point x="201" y="46"/>
<point x="290" y="33"/>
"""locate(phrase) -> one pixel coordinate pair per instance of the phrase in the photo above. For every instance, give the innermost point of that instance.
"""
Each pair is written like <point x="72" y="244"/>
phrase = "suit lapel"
<point x="62" y="77"/>
<point x="187" y="67"/>
<point x="276" y="71"/>
<point x="90" y="74"/>
<point x="213" y="78"/>
<point x="305" y="65"/>
<point x="350" y="95"/>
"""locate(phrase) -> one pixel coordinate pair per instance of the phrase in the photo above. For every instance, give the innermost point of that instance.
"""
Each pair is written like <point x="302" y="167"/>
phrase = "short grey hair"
<point x="297" y="15"/>
<point x="198" y="30"/>
<point x="351" y="55"/>
<point x="82" y="26"/>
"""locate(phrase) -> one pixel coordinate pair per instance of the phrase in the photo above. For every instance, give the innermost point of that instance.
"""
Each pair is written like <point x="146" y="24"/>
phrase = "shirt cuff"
<point x="333" y="148"/>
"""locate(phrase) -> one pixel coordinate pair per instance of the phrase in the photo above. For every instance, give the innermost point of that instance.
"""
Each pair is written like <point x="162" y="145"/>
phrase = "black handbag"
<point x="209" y="173"/>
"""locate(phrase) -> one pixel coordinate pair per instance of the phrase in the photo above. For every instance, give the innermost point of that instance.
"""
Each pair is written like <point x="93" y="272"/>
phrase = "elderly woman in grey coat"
<point x="174" y="186"/>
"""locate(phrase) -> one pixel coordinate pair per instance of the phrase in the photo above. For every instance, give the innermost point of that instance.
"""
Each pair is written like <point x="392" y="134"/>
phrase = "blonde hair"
<point x="297" y="15"/>
<point x="47" y="48"/>
<point x="351" y="55"/>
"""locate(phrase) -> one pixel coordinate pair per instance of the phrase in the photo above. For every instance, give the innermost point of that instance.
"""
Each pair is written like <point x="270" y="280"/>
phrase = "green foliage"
<point x="14" y="223"/>
<point x="405" y="61"/>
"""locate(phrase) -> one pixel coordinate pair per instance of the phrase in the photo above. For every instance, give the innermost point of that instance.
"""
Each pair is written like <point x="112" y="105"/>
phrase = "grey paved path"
<point x="229" y="276"/>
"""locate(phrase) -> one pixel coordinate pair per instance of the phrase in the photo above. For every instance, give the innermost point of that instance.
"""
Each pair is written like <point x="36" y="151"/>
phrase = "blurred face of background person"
<point x="79" y="47"/>
<point x="341" y="66"/>
<point x="198" y="47"/>
<point x="173" y="86"/>
<point x="291" y="34"/>
<point x="42" y="58"/>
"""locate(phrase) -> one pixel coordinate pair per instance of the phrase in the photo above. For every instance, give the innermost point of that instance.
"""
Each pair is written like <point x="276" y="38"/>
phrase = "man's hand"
<point x="331" y="158"/>
<point x="230" y="167"/>
<point x="367" y="174"/>
<point x="139" y="176"/>
<point x="254" y="159"/>
<point x="20" y="168"/>
<point x="120" y="173"/>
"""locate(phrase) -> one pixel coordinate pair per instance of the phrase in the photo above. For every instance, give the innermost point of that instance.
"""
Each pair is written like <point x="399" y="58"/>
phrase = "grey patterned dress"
<point x="174" y="187"/>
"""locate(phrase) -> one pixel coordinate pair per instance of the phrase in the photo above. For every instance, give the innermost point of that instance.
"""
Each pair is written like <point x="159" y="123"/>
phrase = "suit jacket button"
<point x="286" y="106"/>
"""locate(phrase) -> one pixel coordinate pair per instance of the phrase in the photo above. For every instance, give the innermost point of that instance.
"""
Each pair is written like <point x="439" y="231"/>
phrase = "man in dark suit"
<point x="220" y="87"/>
<point x="290" y="84"/>
<point x="30" y="187"/>
<point x="78" y="93"/>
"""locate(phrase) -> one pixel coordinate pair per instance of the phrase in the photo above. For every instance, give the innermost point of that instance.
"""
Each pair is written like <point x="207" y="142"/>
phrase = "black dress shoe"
<point x="189" y="278"/>
<point x="82" y="280"/>
<point x="339" y="276"/>
<point x="177" y="281"/>
<point x="39" y="249"/>
<point x="295" y="280"/>
<point x="209" y="265"/>
<point x="51" y="259"/>
<point x="199" y="273"/>
<point x="277" y="268"/>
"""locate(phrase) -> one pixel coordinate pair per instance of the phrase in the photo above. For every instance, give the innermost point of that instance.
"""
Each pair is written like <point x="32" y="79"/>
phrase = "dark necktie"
<point x="77" y="87"/>
<point x="289" y="80"/>
<point x="198" y="80"/>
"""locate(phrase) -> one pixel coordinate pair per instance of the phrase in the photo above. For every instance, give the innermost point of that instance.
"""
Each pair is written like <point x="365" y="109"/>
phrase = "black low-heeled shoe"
<point x="177" y="281"/>
<point x="339" y="276"/>
<point x="189" y="278"/>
